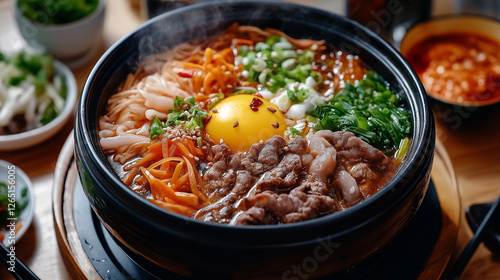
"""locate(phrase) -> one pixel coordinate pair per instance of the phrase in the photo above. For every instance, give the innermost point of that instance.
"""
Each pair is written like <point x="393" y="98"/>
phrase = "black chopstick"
<point x="20" y="271"/>
<point x="471" y="247"/>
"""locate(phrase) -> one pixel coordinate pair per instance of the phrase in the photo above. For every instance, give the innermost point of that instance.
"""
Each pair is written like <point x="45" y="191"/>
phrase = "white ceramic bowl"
<point x="40" y="134"/>
<point x="22" y="182"/>
<point x="67" y="41"/>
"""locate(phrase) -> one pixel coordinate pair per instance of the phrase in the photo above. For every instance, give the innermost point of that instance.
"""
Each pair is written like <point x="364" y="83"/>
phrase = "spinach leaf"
<point x="370" y="110"/>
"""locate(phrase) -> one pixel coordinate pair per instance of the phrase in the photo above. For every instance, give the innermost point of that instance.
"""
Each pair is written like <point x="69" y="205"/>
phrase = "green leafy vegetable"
<point x="297" y="95"/>
<point x="11" y="212"/>
<point x="26" y="70"/>
<point x="49" y="114"/>
<point x="295" y="132"/>
<point x="48" y="12"/>
<point x="185" y="114"/>
<point x="370" y="110"/>
<point x="276" y="63"/>
<point x="156" y="128"/>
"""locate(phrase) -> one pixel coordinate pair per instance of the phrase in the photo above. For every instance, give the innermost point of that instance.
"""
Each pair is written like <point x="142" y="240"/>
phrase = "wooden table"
<point x="474" y="152"/>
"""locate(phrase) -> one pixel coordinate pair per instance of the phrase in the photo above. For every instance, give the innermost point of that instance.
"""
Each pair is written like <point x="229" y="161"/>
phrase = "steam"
<point x="193" y="23"/>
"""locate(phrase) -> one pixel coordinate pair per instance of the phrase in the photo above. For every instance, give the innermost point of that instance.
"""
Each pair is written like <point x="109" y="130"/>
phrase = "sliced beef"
<point x="354" y="150"/>
<point x="285" y="208"/>
<point x="283" y="176"/>
<point x="285" y="182"/>
<point x="263" y="157"/>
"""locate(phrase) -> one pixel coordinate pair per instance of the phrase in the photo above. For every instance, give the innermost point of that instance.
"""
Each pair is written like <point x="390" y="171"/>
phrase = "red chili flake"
<point x="275" y="125"/>
<point x="235" y="124"/>
<point x="271" y="109"/>
<point x="187" y="73"/>
<point x="259" y="95"/>
<point x="208" y="119"/>
<point x="255" y="104"/>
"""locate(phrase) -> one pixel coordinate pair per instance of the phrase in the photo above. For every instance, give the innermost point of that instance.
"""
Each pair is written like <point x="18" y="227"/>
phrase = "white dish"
<point x="12" y="175"/>
<point x="40" y="134"/>
<point x="67" y="41"/>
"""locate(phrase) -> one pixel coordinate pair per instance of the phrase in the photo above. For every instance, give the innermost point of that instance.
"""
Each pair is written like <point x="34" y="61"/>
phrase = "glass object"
<point x="489" y="8"/>
<point x="389" y="18"/>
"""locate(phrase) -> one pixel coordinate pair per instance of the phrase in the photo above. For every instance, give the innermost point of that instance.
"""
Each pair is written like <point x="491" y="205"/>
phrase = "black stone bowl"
<point x="159" y="239"/>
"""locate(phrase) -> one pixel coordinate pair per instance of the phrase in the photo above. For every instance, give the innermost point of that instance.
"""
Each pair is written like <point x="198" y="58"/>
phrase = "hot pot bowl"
<point x="159" y="240"/>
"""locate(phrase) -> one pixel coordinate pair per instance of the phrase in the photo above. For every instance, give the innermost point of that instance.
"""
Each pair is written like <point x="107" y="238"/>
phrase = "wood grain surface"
<point x="474" y="151"/>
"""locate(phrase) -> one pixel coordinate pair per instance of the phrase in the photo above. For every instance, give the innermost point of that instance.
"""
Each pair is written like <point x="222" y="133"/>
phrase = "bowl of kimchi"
<point x="457" y="60"/>
<point x="221" y="140"/>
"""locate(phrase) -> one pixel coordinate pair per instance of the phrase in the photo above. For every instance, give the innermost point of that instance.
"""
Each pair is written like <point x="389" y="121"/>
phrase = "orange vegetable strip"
<point x="190" y="65"/>
<point x="177" y="172"/>
<point x="169" y="159"/>
<point x="159" y="173"/>
<point x="159" y="189"/>
<point x="164" y="151"/>
<point x="173" y="150"/>
<point x="188" y="199"/>
<point x="155" y="148"/>
<point x="193" y="183"/>
<point x="184" y="150"/>
<point x="193" y="149"/>
<point x="207" y="82"/>
<point x="240" y="42"/>
<point x="200" y="97"/>
<point x="129" y="176"/>
<point x="208" y="55"/>
<point x="179" y="209"/>
<point x="144" y="161"/>
<point x="177" y="186"/>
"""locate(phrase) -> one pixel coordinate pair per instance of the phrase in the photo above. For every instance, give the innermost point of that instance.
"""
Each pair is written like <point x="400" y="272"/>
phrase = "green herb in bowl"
<point x="47" y="12"/>
<point x="31" y="94"/>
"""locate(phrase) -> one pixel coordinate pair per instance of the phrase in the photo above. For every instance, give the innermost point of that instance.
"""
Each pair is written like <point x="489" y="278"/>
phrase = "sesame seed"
<point x="286" y="149"/>
<point x="215" y="110"/>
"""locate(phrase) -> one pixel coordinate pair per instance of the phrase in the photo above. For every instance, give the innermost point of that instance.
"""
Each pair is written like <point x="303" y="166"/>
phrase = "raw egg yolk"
<point x="242" y="120"/>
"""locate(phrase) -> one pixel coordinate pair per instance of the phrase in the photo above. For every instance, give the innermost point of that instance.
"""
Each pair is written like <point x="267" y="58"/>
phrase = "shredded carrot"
<point x="177" y="171"/>
<point x="146" y="160"/>
<point x="180" y="183"/>
<point x="164" y="152"/>
<point x="159" y="190"/>
<point x="155" y="148"/>
<point x="240" y="42"/>
<point x="193" y="182"/>
<point x="188" y="199"/>
<point x="160" y="162"/>
<point x="179" y="209"/>
<point x="185" y="152"/>
<point x="129" y="176"/>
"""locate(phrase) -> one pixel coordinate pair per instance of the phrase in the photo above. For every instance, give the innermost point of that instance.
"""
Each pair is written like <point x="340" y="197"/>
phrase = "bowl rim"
<point x="26" y="223"/>
<point x="64" y="26"/>
<point x="449" y="17"/>
<point x="406" y="172"/>
<point x="56" y="124"/>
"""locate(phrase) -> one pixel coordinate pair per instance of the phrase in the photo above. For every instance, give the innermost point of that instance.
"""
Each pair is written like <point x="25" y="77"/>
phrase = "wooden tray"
<point x="80" y="266"/>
